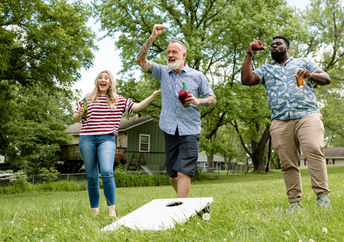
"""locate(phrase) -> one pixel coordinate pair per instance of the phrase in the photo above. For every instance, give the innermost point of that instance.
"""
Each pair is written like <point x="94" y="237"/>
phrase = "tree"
<point x="37" y="128"/>
<point x="226" y="144"/>
<point x="217" y="33"/>
<point x="43" y="45"/>
<point x="325" y="44"/>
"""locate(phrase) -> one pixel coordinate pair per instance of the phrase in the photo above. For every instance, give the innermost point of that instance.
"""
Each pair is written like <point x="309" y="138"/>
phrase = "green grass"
<point x="248" y="207"/>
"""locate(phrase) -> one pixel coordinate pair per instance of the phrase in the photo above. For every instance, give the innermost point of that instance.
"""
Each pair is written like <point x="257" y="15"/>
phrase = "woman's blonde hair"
<point x="111" y="93"/>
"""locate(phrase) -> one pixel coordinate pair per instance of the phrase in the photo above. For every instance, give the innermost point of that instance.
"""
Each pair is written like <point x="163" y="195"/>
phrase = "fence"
<point x="38" y="178"/>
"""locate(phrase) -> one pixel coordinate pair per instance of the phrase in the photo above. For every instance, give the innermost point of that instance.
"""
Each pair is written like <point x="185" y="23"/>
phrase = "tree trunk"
<point x="259" y="150"/>
<point x="210" y="162"/>
<point x="227" y="162"/>
<point x="258" y="160"/>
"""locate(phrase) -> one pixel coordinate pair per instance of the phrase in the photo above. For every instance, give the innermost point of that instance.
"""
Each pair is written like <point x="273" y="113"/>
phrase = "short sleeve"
<point x="260" y="72"/>
<point x="205" y="88"/>
<point x="311" y="66"/>
<point x="80" y="104"/>
<point x="128" y="104"/>
<point x="156" y="71"/>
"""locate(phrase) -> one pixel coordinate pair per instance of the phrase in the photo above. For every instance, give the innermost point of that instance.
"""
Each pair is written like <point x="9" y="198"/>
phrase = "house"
<point x="4" y="166"/>
<point x="202" y="162"/>
<point x="139" y="144"/>
<point x="334" y="157"/>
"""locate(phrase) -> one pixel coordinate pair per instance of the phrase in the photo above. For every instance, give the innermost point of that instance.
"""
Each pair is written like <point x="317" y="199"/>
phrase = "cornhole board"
<point x="162" y="214"/>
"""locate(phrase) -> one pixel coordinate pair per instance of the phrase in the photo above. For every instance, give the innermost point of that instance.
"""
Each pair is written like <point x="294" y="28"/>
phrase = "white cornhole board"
<point x="161" y="214"/>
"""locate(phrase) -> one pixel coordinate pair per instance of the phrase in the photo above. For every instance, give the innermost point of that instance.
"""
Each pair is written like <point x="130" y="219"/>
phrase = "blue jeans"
<point x="99" y="150"/>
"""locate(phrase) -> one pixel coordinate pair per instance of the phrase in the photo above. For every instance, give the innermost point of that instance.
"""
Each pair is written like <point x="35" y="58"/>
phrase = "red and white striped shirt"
<point x="101" y="119"/>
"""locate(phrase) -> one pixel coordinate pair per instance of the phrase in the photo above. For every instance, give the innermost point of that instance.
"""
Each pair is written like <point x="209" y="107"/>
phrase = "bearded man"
<point x="296" y="120"/>
<point x="180" y="123"/>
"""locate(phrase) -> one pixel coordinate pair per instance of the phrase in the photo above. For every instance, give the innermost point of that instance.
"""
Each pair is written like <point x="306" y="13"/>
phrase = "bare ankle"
<point x="95" y="211"/>
<point x="112" y="211"/>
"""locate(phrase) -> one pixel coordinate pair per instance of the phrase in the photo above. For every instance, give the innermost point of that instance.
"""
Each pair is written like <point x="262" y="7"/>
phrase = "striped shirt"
<point x="101" y="119"/>
<point x="173" y="114"/>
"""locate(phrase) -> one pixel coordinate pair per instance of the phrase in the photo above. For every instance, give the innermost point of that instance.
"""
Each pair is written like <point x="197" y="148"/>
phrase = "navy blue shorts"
<point x="181" y="153"/>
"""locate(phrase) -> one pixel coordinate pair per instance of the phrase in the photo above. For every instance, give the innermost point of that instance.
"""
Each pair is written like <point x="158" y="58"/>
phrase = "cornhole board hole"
<point x="162" y="214"/>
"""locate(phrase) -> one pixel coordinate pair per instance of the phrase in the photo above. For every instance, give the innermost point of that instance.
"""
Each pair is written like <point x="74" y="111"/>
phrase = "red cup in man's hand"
<point x="258" y="46"/>
<point x="182" y="96"/>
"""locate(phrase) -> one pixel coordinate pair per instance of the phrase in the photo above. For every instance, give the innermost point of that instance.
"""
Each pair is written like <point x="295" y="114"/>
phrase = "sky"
<point x="107" y="57"/>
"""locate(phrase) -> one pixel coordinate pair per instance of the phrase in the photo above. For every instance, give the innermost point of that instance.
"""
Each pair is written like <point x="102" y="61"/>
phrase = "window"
<point x="144" y="145"/>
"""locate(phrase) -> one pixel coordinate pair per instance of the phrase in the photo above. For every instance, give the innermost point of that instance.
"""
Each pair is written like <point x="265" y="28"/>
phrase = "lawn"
<point x="248" y="207"/>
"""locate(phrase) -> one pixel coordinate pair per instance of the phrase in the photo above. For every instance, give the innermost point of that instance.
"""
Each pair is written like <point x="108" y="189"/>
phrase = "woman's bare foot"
<point x="112" y="211"/>
<point x="95" y="211"/>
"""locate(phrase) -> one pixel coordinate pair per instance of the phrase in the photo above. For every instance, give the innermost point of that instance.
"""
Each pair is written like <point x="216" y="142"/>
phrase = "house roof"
<point x="334" y="152"/>
<point x="133" y="122"/>
<point x="124" y="125"/>
<point x="203" y="157"/>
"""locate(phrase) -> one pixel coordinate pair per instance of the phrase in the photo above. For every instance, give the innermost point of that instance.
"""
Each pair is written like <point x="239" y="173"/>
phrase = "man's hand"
<point x="208" y="101"/>
<point x="248" y="77"/>
<point x="253" y="43"/>
<point x="141" y="58"/>
<point x="304" y="73"/>
<point x="157" y="30"/>
<point x="319" y="76"/>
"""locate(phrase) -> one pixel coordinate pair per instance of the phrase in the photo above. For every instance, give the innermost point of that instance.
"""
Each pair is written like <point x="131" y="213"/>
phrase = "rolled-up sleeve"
<point x="156" y="71"/>
<point x="205" y="89"/>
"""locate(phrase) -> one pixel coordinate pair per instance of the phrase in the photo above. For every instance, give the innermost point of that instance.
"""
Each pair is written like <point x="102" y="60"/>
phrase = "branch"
<point x="204" y="114"/>
<point x="174" y="15"/>
<point x="235" y="125"/>
<point x="217" y="126"/>
<point x="205" y="13"/>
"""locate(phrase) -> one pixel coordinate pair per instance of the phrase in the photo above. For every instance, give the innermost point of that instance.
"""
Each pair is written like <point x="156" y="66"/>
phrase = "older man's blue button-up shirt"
<point x="285" y="99"/>
<point x="173" y="113"/>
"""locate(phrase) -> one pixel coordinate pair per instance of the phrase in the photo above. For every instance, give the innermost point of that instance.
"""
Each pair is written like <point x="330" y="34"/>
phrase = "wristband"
<point x="249" y="53"/>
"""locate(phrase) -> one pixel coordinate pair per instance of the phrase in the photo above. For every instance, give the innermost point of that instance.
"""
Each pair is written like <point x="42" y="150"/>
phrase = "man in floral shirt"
<point x="296" y="120"/>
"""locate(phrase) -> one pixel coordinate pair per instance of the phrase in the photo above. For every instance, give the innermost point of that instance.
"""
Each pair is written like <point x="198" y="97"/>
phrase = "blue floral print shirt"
<point x="285" y="99"/>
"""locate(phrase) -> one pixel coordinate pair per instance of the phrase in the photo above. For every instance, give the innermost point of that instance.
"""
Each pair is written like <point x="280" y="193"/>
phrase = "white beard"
<point x="175" y="65"/>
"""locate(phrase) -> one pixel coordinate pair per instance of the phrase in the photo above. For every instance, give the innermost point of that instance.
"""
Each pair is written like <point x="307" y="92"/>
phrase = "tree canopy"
<point x="43" y="45"/>
<point x="217" y="34"/>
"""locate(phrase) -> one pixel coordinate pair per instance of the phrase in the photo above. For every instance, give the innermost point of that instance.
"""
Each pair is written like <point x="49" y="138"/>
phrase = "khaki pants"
<point x="307" y="133"/>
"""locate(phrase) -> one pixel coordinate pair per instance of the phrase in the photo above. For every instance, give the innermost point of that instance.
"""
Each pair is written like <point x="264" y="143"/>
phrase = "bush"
<point x="123" y="179"/>
<point x="21" y="178"/>
<point x="47" y="175"/>
<point x="203" y="175"/>
<point x="62" y="186"/>
<point x="48" y="186"/>
<point x="15" y="188"/>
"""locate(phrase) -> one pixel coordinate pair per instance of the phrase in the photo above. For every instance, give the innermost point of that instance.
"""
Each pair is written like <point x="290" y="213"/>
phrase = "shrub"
<point x="123" y="179"/>
<point x="47" y="186"/>
<point x="15" y="188"/>
<point x="203" y="175"/>
<point x="61" y="186"/>
<point x="48" y="175"/>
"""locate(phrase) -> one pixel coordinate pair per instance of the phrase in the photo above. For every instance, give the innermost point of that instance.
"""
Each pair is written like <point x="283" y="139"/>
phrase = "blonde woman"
<point x="97" y="137"/>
